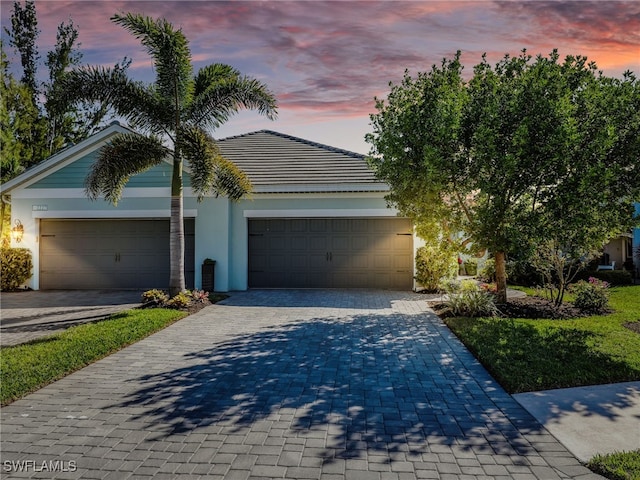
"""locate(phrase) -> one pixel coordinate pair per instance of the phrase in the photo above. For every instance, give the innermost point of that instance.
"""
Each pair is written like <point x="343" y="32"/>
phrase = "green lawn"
<point x="617" y="466"/>
<point x="528" y="355"/>
<point x="28" y="367"/>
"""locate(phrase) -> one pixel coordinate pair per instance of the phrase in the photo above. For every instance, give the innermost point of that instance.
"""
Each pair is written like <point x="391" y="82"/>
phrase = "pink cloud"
<point x="329" y="59"/>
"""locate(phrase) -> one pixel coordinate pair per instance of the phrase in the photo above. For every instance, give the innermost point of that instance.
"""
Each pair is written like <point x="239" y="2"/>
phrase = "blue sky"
<point x="326" y="61"/>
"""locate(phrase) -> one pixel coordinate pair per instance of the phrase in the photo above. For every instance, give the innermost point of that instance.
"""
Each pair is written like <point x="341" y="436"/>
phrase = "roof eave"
<point x="321" y="188"/>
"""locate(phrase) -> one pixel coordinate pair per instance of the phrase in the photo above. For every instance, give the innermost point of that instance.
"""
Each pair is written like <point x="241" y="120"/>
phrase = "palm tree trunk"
<point x="176" y="230"/>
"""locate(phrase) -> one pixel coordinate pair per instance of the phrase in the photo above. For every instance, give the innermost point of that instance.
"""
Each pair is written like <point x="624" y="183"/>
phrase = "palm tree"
<point x="173" y="115"/>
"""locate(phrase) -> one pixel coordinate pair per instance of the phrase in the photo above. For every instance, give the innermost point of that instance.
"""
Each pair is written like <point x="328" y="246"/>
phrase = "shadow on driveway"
<point x="387" y="383"/>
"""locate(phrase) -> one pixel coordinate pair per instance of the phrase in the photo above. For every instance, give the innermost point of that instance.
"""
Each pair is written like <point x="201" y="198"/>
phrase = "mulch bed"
<point x="527" y="307"/>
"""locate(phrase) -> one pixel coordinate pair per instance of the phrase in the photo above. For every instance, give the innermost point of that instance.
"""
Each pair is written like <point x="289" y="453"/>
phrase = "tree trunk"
<point x="501" y="277"/>
<point x="176" y="230"/>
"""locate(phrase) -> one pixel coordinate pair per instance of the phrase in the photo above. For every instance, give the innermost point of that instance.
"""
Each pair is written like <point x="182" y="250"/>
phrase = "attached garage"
<point x="109" y="254"/>
<point x="331" y="253"/>
<point x="317" y="218"/>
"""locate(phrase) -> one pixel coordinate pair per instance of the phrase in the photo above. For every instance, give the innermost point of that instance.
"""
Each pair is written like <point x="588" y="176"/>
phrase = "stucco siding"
<point x="74" y="175"/>
<point x="71" y="176"/>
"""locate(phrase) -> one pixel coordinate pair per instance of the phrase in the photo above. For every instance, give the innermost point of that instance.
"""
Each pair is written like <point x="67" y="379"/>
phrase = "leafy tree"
<point x="25" y="123"/>
<point x="39" y="121"/>
<point x="20" y="122"/>
<point x="23" y="36"/>
<point x="179" y="108"/>
<point x="524" y="153"/>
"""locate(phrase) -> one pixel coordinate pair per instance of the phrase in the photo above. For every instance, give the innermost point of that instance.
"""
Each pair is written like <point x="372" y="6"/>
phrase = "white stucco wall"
<point x="221" y="227"/>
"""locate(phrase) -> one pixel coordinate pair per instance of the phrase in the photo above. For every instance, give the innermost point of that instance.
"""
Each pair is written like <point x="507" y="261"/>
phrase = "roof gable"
<point x="69" y="167"/>
<point x="64" y="158"/>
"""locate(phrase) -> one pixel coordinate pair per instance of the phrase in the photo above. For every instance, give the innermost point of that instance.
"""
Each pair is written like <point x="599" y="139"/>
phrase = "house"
<point x="316" y="218"/>
<point x="623" y="251"/>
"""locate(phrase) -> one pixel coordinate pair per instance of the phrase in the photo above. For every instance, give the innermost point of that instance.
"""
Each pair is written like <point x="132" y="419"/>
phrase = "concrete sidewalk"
<point x="330" y="385"/>
<point x="589" y="420"/>
<point x="28" y="315"/>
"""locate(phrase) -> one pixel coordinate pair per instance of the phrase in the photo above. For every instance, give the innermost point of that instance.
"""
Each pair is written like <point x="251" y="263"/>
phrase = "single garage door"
<point x="109" y="254"/>
<point x="331" y="253"/>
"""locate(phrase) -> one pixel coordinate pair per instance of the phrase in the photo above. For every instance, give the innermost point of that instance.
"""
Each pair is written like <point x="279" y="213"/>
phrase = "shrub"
<point x="184" y="299"/>
<point x="487" y="272"/>
<point x="15" y="267"/>
<point x="473" y="303"/>
<point x="521" y="272"/>
<point x="433" y="264"/>
<point x="181" y="300"/>
<point x="450" y="285"/>
<point x="471" y="266"/>
<point x="200" y="296"/>
<point x="592" y="296"/>
<point x="156" y="296"/>
<point x="613" y="277"/>
<point x="469" y="286"/>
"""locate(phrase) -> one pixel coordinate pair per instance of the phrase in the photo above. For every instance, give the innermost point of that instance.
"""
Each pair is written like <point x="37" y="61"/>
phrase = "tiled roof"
<point x="276" y="162"/>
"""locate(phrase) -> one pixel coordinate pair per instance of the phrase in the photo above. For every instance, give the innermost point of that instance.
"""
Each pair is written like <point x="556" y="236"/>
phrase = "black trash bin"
<point x="208" y="275"/>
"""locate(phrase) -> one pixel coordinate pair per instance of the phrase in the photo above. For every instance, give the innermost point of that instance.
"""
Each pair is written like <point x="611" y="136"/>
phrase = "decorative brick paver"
<point x="287" y="384"/>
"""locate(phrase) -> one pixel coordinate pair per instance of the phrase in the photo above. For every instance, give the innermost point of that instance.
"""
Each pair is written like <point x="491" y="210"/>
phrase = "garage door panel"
<point x="318" y="243"/>
<point x="298" y="261"/>
<point x="317" y="225"/>
<point x="277" y="262"/>
<point x="317" y="261"/>
<point x="339" y="253"/>
<point x="299" y="243"/>
<point x="103" y="254"/>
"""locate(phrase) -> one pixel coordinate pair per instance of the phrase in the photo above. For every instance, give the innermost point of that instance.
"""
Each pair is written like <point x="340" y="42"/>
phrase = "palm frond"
<point x="211" y="173"/>
<point x="221" y="91"/>
<point x="170" y="51"/>
<point x="124" y="156"/>
<point x="212" y="74"/>
<point x="137" y="103"/>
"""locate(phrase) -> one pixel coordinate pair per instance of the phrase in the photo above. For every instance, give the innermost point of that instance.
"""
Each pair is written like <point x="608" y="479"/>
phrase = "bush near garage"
<point x="191" y="300"/>
<point x="434" y="264"/>
<point x="15" y="267"/>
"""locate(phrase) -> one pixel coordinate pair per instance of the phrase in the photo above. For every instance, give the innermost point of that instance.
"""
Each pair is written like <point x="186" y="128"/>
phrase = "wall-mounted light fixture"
<point x="17" y="232"/>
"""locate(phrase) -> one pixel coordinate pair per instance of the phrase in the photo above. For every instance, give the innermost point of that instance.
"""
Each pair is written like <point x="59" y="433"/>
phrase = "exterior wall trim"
<point x="137" y="192"/>
<point x="115" y="214"/>
<point x="321" y="212"/>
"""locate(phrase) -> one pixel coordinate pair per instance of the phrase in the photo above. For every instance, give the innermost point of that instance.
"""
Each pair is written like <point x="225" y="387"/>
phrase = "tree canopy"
<point x="527" y="151"/>
<point x="36" y="121"/>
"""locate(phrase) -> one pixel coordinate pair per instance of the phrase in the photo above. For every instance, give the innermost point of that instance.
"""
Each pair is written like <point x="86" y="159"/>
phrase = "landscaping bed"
<point x="527" y="307"/>
<point x="538" y="353"/>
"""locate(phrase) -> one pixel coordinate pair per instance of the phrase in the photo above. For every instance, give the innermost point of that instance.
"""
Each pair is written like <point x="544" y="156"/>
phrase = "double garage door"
<point x="331" y="253"/>
<point x="109" y="254"/>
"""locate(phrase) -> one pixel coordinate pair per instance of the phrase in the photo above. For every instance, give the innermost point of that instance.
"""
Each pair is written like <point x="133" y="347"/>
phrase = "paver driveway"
<point x="286" y="384"/>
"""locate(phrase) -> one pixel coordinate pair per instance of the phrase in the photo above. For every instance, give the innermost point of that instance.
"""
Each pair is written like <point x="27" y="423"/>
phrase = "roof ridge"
<point x="300" y="140"/>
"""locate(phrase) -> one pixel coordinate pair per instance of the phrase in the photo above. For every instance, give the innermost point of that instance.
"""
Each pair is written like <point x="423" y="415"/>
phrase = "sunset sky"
<point x="326" y="61"/>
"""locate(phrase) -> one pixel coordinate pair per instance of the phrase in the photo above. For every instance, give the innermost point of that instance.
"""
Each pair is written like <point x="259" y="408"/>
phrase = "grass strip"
<point x="30" y="366"/>
<point x="528" y="355"/>
<point x="617" y="466"/>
